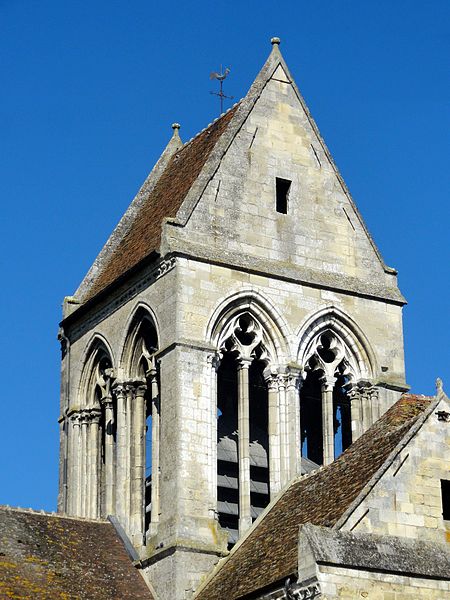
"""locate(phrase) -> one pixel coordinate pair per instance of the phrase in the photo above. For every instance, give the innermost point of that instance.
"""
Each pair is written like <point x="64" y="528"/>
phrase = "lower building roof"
<point x="269" y="552"/>
<point x="45" y="556"/>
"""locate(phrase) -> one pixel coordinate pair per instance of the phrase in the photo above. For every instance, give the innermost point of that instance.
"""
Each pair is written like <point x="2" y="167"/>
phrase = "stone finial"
<point x="275" y="41"/>
<point x="175" y="126"/>
<point x="439" y="385"/>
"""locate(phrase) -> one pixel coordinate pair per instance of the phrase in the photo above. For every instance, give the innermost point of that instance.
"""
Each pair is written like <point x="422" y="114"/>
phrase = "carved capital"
<point x="94" y="416"/>
<point x="244" y="362"/>
<point x="120" y="390"/>
<point x="295" y="591"/>
<point x="140" y="389"/>
<point x="327" y="383"/>
<point x="107" y="402"/>
<point x="213" y="361"/>
<point x="293" y="379"/>
<point x="271" y="381"/>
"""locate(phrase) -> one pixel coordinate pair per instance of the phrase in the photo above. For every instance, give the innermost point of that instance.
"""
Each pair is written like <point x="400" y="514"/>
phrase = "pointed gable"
<point x="219" y="192"/>
<point x="230" y="213"/>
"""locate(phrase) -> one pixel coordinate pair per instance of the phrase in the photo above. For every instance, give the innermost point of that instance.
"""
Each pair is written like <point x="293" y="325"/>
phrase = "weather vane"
<point x="220" y="77"/>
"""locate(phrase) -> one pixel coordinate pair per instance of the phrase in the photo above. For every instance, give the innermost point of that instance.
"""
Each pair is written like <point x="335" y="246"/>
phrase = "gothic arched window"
<point x="143" y="372"/>
<point x="242" y="427"/>
<point x="325" y="414"/>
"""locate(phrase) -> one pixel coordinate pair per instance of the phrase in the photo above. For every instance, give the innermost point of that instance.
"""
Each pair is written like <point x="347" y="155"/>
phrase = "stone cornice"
<point x="336" y="282"/>
<point x="86" y="316"/>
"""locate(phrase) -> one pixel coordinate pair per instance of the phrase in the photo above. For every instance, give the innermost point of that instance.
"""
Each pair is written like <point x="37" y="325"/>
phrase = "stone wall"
<point x="407" y="501"/>
<point x="349" y="584"/>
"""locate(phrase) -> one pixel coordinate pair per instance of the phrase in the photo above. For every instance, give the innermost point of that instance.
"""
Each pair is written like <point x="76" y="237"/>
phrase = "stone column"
<point x="356" y="413"/>
<point x="293" y="384"/>
<point x="94" y="462"/>
<point x="121" y="457"/>
<point x="137" y="500"/>
<point x="75" y="466"/>
<point x="366" y="409"/>
<point x="245" y="518"/>
<point x="155" y="433"/>
<point x="328" y="419"/>
<point x="130" y="393"/>
<point x="84" y="473"/>
<point x="374" y="403"/>
<point x="284" y="442"/>
<point x="274" y="437"/>
<point x="109" y="455"/>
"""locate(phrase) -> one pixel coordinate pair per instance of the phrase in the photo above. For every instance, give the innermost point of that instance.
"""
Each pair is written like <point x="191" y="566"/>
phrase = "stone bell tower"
<point x="239" y="327"/>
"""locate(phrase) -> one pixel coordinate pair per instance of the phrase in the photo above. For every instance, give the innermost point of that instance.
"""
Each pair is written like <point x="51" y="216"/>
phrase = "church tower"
<point x="239" y="327"/>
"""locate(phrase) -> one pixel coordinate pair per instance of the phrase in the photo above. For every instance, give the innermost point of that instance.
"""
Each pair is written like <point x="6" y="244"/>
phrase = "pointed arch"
<point x="346" y="329"/>
<point x="141" y="341"/>
<point x="252" y="340"/>
<point x="139" y="366"/>
<point x="254" y="303"/>
<point x="98" y="357"/>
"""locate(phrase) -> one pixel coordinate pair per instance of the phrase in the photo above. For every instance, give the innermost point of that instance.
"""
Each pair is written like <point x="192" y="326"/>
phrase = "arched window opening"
<point x="242" y="398"/>
<point x="311" y="421"/>
<point x="145" y="370"/>
<point x="259" y="440"/>
<point x="324" y="400"/>
<point x="342" y="415"/>
<point x="94" y="452"/>
<point x="227" y="447"/>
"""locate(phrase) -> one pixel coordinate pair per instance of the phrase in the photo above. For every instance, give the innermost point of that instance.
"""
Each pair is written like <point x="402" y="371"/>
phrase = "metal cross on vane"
<point x="220" y="77"/>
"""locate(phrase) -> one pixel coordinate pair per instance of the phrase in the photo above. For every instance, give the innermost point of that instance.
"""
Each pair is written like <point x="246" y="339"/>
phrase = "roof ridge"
<point x="46" y="513"/>
<point x="213" y="122"/>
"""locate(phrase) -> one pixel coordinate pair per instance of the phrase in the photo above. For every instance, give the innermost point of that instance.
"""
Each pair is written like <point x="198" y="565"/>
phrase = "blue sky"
<point x="89" y="91"/>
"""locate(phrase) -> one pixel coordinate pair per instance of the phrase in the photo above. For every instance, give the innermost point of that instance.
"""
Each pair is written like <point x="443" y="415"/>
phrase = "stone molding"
<point x="118" y="299"/>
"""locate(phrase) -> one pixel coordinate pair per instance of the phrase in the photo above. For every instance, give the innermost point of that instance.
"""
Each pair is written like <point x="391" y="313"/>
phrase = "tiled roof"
<point x="269" y="553"/>
<point x="163" y="201"/>
<point x="46" y="556"/>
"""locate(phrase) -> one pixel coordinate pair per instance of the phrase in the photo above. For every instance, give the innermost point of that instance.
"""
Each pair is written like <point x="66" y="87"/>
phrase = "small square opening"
<point x="445" y="495"/>
<point x="283" y="187"/>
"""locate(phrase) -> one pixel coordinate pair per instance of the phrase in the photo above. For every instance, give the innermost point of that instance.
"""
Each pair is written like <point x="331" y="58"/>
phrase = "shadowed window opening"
<point x="311" y="418"/>
<point x="227" y="448"/>
<point x="283" y="187"/>
<point x="145" y="370"/>
<point x="259" y="443"/>
<point x="342" y="416"/>
<point x="445" y="496"/>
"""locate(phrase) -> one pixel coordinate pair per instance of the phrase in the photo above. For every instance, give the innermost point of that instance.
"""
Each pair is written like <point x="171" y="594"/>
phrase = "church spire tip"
<point x="275" y="41"/>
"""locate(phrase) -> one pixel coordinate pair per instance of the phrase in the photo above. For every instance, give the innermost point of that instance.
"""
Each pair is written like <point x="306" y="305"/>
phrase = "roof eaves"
<point x="127" y="220"/>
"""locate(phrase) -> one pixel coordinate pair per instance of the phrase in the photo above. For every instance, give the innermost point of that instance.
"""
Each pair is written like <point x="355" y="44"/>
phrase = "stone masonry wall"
<point x="407" y="502"/>
<point x="352" y="584"/>
<point x="237" y="212"/>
